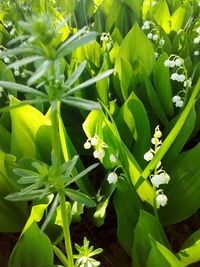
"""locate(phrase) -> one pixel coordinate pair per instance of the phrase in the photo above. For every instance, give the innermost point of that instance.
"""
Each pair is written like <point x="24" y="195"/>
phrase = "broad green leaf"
<point x="97" y="123"/>
<point x="161" y="77"/>
<point x="161" y="256"/>
<point x="32" y="249"/>
<point x="80" y="197"/>
<point x="138" y="50"/>
<point x="155" y="102"/>
<point x="147" y="224"/>
<point x="134" y="116"/>
<point x="13" y="215"/>
<point x="189" y="252"/>
<point x="126" y="75"/>
<point x="127" y="206"/>
<point x="161" y="7"/>
<point x="31" y="140"/>
<point x="181" y="17"/>
<point x="183" y="188"/>
<point x="81" y="103"/>
<point x="61" y="256"/>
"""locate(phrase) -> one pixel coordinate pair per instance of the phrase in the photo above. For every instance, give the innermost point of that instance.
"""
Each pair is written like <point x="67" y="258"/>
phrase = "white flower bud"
<point x="176" y="98"/>
<point x="112" y="178"/>
<point x="172" y="64"/>
<point x="156" y="54"/>
<point x="161" y="200"/>
<point x="154" y="140"/>
<point x="12" y="32"/>
<point x="148" y="3"/>
<point x="179" y="104"/>
<point x="113" y="159"/>
<point x="150" y="35"/>
<point x="147" y="23"/>
<point x="16" y="73"/>
<point x="164" y="178"/>
<point x="99" y="154"/>
<point x="94" y="141"/>
<point x="156" y="180"/>
<point x="23" y="74"/>
<point x="157" y="134"/>
<point x="162" y="42"/>
<point x="87" y="145"/>
<point x="197" y="40"/>
<point x="196" y="53"/>
<point x="167" y="63"/>
<point x="181" y="78"/>
<point x="174" y="76"/>
<point x="198" y="30"/>
<point x="154" y="3"/>
<point x="178" y="62"/>
<point x="6" y="60"/>
<point x="148" y="156"/>
<point x="155" y="37"/>
<point x="188" y="83"/>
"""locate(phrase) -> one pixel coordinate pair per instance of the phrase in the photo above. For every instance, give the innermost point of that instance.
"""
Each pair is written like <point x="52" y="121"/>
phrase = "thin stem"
<point x="68" y="245"/>
<point x="158" y="221"/>
<point x="55" y="132"/>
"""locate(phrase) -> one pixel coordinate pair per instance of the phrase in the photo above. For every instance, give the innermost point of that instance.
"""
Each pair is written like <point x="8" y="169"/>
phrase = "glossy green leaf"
<point x="36" y="135"/>
<point x="127" y="206"/>
<point x="13" y="215"/>
<point x="181" y="17"/>
<point x="161" y="256"/>
<point x="147" y="224"/>
<point x="134" y="116"/>
<point x="163" y="86"/>
<point x="143" y="55"/>
<point x="161" y="7"/>
<point x="80" y="197"/>
<point x="155" y="101"/>
<point x="189" y="252"/>
<point x="183" y="188"/>
<point x="32" y="249"/>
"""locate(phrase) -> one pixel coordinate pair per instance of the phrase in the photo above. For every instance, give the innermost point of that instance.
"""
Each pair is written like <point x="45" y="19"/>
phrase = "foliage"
<point x="127" y="74"/>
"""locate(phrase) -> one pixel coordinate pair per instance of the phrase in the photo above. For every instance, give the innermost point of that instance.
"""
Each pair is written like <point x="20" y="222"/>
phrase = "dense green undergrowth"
<point x="116" y="82"/>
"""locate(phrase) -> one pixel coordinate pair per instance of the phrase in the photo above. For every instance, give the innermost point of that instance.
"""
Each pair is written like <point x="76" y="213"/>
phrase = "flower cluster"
<point x="180" y="75"/>
<point x="197" y="41"/>
<point x="153" y="34"/>
<point x="106" y="38"/>
<point x="159" y="177"/>
<point x="99" y="152"/>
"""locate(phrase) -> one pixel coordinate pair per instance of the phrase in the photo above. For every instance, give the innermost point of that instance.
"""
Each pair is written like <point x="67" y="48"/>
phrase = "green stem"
<point x="55" y="132"/>
<point x="158" y="221"/>
<point x="66" y="230"/>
